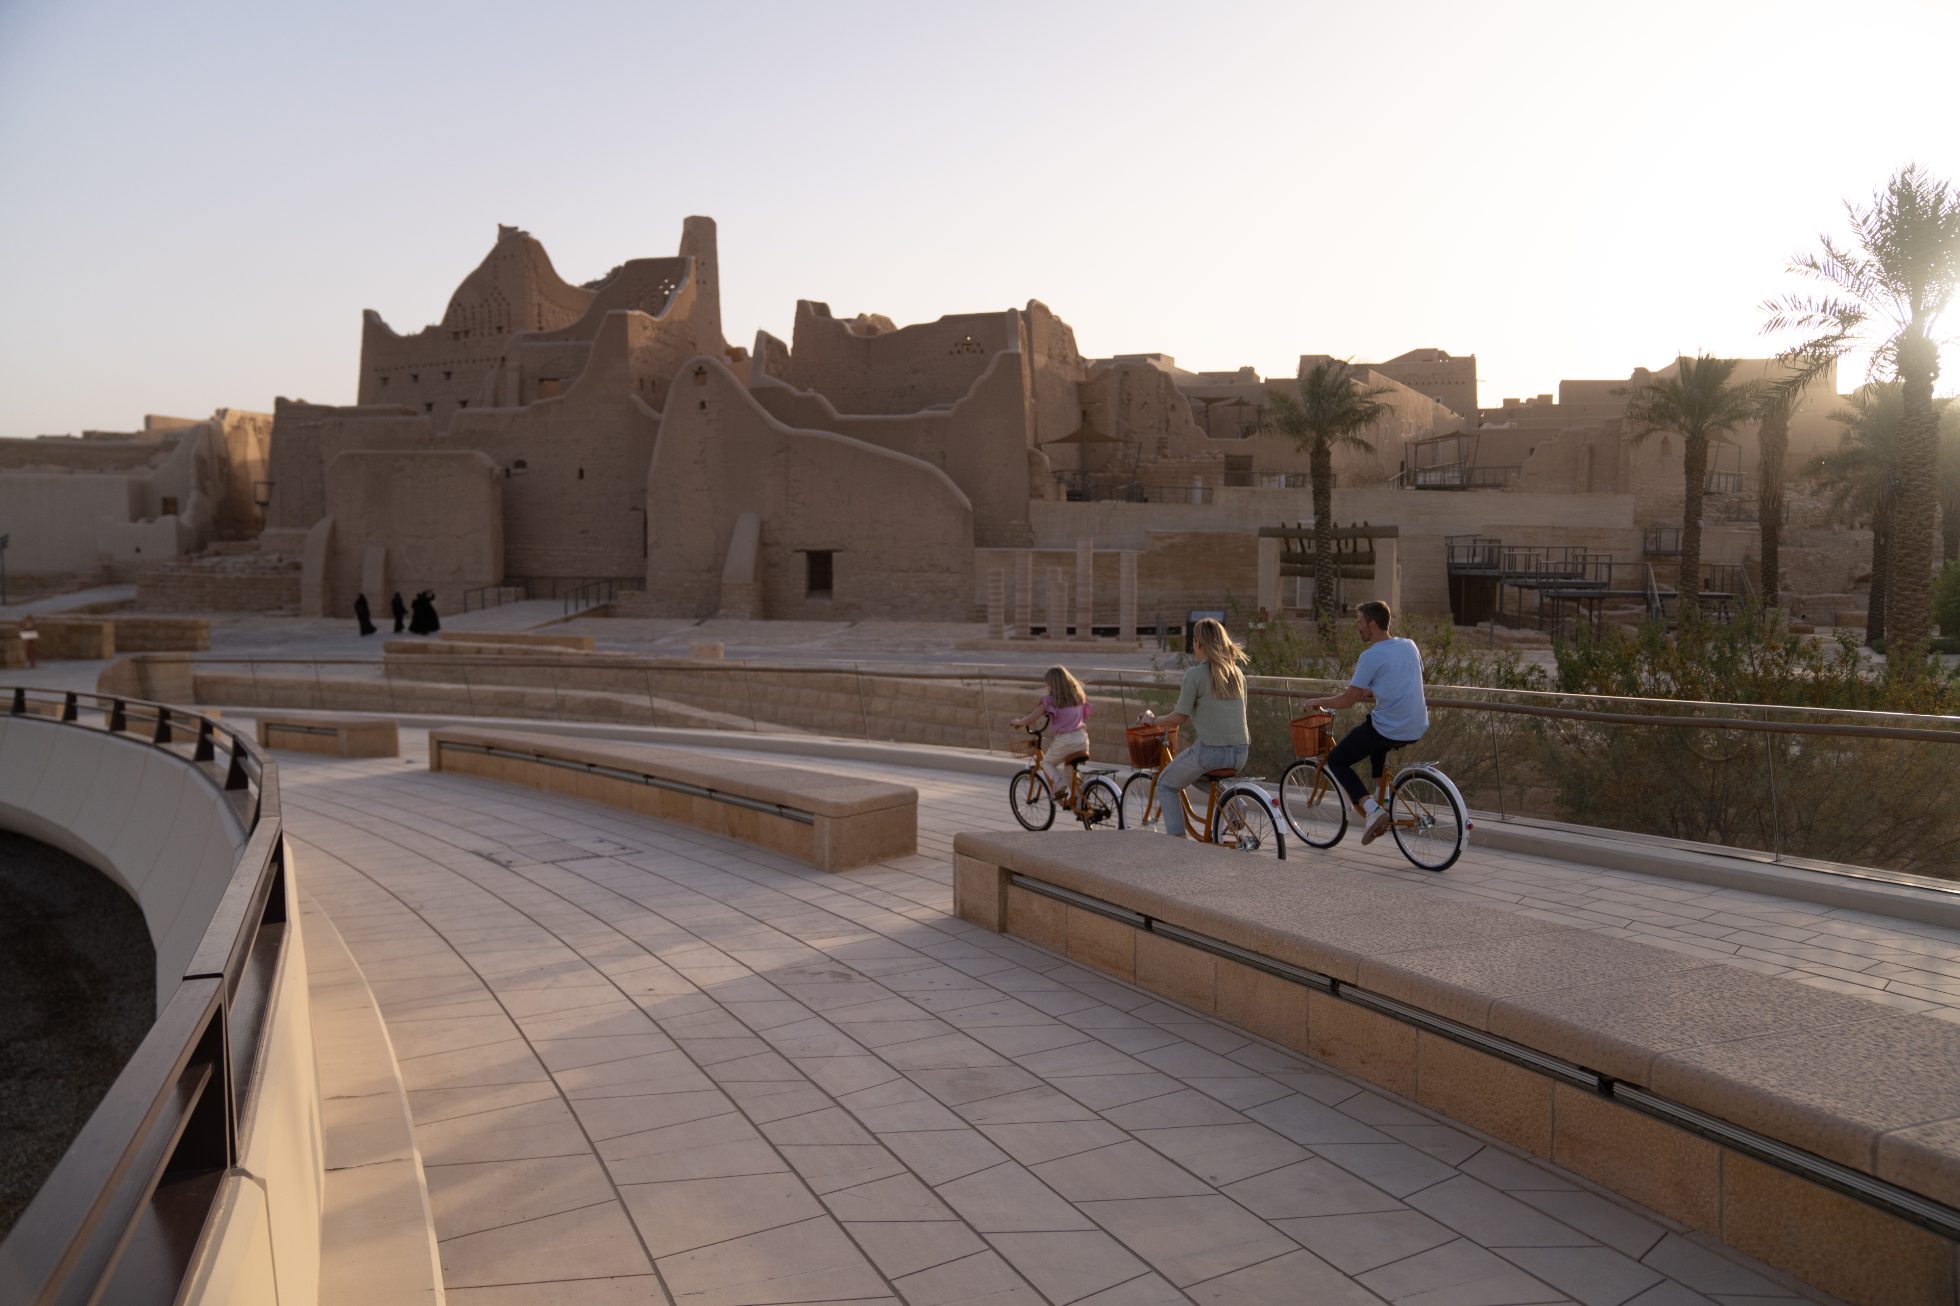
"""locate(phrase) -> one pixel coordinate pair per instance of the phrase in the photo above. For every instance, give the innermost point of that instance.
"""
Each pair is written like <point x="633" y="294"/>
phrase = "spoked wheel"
<point x="1027" y="794"/>
<point x="1136" y="810"/>
<point x="1427" y="819"/>
<point x="1100" y="804"/>
<point x="1245" y="825"/>
<point x="1316" y="809"/>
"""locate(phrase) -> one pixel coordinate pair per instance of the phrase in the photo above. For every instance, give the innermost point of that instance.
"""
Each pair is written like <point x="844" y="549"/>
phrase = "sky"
<point x="197" y="200"/>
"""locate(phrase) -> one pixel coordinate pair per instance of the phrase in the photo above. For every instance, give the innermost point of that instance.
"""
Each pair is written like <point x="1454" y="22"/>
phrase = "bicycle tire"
<point x="1245" y="825"/>
<point x="1130" y="813"/>
<point x="1428" y="820"/>
<point x="1317" y="821"/>
<point x="1029" y="799"/>
<point x="1102" y="804"/>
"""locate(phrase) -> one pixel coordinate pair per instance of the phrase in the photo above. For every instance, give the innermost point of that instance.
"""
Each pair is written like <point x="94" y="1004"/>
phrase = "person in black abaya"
<point x="400" y="609"/>
<point x="422" y="619"/>
<point x="361" y="614"/>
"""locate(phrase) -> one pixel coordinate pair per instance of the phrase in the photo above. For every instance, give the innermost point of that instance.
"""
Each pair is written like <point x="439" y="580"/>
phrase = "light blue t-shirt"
<point x="1392" y="670"/>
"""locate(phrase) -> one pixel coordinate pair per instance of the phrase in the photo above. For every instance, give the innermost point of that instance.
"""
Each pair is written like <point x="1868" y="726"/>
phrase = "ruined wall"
<point x="899" y="532"/>
<point x="980" y="443"/>
<point x="898" y="371"/>
<point x="54" y="519"/>
<point x="441" y="368"/>
<point x="436" y="513"/>
<point x="1055" y="372"/>
<point x="1451" y="382"/>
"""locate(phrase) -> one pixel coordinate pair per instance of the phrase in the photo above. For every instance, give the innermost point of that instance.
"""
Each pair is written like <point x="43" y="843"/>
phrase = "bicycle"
<point x="1238" y="813"/>
<point x="1426" y="813"/>
<point x="1093" y="801"/>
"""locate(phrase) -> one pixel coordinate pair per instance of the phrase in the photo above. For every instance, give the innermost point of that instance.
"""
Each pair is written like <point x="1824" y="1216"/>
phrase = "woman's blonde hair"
<point x="1210" y="642"/>
<point x="1064" y="690"/>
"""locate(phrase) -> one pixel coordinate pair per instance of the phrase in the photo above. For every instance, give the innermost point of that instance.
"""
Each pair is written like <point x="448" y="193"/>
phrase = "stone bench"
<point x="336" y="736"/>
<point x="1814" y="1130"/>
<point x="829" y="821"/>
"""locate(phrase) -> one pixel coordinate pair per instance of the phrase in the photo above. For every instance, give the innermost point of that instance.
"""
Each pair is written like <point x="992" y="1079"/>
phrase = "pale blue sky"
<point x="200" y="198"/>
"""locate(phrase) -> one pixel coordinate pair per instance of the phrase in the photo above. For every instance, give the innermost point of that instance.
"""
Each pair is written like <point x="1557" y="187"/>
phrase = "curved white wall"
<point x="141" y="816"/>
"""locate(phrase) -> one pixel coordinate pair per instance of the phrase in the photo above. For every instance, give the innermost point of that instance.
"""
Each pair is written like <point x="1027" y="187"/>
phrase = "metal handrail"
<point x="123" y="1214"/>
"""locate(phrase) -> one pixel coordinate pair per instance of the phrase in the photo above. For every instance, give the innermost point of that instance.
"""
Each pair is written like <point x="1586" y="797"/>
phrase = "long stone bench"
<point x="1817" y="1131"/>
<point x="336" y="736"/>
<point x="832" y="822"/>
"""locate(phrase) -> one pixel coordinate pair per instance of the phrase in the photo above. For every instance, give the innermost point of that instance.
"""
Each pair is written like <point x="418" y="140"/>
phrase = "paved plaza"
<point x="671" y="1067"/>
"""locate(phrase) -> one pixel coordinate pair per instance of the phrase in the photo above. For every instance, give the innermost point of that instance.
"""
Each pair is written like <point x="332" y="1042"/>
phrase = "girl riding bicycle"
<point x="1066" y="705"/>
<point x="1213" y="701"/>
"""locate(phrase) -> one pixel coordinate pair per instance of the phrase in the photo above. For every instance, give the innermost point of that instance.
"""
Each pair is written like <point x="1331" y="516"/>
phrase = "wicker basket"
<point x="1023" y="745"/>
<point x="1146" y="745"/>
<point x="1312" y="732"/>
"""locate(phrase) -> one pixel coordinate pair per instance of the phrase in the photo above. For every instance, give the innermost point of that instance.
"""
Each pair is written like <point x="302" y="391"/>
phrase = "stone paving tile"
<point x="822" y="1088"/>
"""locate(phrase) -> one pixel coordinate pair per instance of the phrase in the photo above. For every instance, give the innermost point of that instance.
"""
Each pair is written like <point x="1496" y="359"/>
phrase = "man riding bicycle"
<point x="1389" y="674"/>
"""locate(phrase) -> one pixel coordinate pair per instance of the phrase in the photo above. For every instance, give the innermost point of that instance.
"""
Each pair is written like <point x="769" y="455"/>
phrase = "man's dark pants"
<point x="1362" y="741"/>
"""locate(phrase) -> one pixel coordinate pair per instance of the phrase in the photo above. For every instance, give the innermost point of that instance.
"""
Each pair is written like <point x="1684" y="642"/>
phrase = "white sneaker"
<point x="1376" y="827"/>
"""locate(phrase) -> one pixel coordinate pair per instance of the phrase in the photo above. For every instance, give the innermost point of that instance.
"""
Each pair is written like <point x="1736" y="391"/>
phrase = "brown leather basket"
<point x="1313" y="732"/>
<point x="1146" y="745"/>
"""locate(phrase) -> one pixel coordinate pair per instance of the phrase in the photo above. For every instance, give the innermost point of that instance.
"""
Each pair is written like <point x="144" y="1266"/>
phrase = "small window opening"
<point x="384" y="378"/>
<point x="428" y="406"/>
<point x="169" y="506"/>
<point x="414" y="377"/>
<point x="462" y="403"/>
<point x="581" y="473"/>
<point x="818" y="570"/>
<point x="447" y="375"/>
<point x="704" y="405"/>
<point x="548" y="387"/>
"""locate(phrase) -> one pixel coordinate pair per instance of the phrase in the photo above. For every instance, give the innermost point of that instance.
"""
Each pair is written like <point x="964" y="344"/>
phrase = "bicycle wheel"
<point x="1316" y="810"/>
<point x="1131" y="813"/>
<point x="1100" y="804"/>
<point x="1245" y="825"/>
<point x="1027" y="794"/>
<point x="1427" y="819"/>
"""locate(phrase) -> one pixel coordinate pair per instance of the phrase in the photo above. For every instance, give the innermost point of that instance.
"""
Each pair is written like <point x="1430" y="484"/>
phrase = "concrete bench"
<point x="832" y="822"/>
<point x="336" y="736"/>
<point x="1817" y="1131"/>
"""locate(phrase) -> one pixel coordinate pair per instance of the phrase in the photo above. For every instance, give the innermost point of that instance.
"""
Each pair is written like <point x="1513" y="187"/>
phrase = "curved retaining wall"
<point x="213" y="1130"/>
<point x="141" y="815"/>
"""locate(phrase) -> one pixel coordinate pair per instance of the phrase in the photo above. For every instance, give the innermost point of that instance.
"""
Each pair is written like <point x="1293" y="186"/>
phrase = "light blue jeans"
<point x="1188" y="767"/>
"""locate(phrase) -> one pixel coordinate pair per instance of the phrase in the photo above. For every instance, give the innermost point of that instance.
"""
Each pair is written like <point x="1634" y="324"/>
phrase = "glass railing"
<point x="1803" y="786"/>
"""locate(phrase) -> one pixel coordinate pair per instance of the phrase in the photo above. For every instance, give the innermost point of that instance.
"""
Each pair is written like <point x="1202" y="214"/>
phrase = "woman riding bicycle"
<point x="1213" y="701"/>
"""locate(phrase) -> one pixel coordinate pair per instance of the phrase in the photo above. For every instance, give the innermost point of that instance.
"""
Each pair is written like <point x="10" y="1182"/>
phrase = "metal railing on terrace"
<point x="1805" y="787"/>
<point x="122" y="1216"/>
<point x="1101" y="487"/>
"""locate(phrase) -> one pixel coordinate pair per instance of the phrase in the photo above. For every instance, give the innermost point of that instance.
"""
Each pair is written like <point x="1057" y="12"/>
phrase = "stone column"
<point x="1024" y="593"/>
<point x="1057" y="604"/>
<point x="1085" y="588"/>
<point x="1269" y="581"/>
<point x="1126" y="598"/>
<point x="1388" y="572"/>
<point x="997" y="603"/>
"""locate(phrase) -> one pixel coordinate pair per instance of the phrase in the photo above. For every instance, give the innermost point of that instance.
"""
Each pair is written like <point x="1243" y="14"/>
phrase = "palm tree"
<point x="1699" y="404"/>
<point x="1861" y="477"/>
<point x="1334" y="408"/>
<point x="1950" y="482"/>
<point x="1773" y="446"/>
<point x="1889" y="289"/>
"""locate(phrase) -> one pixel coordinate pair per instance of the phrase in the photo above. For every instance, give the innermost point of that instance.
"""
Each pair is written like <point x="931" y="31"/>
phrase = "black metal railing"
<point x="591" y="594"/>
<point x="1100" y="487"/>
<point x="121" y="1216"/>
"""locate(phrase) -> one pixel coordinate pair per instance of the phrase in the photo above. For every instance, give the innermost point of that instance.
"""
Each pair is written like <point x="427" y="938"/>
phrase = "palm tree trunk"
<point x="1881" y="568"/>
<point x="1694" y="470"/>
<point x="1774" y="440"/>
<point x="1321" y="466"/>
<point x="1909" y="602"/>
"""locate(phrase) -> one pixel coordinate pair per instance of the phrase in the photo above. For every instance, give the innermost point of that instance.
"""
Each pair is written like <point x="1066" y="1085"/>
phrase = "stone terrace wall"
<point x="191" y="588"/>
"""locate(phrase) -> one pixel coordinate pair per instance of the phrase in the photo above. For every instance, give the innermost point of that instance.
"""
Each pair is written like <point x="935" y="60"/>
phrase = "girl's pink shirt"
<point x="1062" y="720"/>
